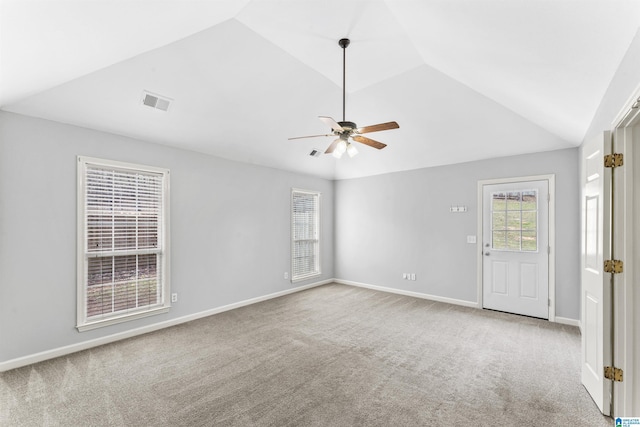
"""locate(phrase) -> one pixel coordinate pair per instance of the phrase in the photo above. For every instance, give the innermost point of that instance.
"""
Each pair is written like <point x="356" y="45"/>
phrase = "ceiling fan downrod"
<point x="343" y="44"/>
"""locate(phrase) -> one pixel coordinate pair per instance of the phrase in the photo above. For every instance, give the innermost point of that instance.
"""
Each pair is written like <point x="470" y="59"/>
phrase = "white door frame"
<point x="625" y="300"/>
<point x="551" y="178"/>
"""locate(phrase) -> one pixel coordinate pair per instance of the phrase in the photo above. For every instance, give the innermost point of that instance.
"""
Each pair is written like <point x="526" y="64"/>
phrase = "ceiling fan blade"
<point x="369" y="142"/>
<point x="332" y="147"/>
<point x="379" y="127"/>
<point x="310" y="136"/>
<point x="332" y="123"/>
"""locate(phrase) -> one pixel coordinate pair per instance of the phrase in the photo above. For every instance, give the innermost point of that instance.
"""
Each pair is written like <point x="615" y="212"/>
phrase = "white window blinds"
<point x="305" y="232"/>
<point x="123" y="211"/>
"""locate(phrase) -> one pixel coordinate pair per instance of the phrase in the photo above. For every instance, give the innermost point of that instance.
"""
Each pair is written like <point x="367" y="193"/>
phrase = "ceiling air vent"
<point x="315" y="153"/>
<point x="156" y="101"/>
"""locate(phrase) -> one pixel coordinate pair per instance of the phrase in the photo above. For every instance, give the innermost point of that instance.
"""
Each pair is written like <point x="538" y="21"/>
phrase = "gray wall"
<point x="400" y="222"/>
<point x="229" y="230"/>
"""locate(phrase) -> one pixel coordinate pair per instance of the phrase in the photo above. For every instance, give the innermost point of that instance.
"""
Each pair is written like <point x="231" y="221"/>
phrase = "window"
<point x="122" y="242"/>
<point x="305" y="234"/>
<point x="514" y="220"/>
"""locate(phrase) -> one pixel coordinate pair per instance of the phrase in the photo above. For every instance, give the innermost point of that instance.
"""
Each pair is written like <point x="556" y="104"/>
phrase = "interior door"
<point x="595" y="292"/>
<point x="515" y="248"/>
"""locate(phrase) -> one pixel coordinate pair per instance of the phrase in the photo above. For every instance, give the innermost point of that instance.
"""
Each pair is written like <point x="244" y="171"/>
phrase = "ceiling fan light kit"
<point x="341" y="147"/>
<point x="346" y="131"/>
<point x="344" y="145"/>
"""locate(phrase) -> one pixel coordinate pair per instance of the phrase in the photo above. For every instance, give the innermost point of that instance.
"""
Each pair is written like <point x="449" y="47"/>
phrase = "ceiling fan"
<point x="348" y="132"/>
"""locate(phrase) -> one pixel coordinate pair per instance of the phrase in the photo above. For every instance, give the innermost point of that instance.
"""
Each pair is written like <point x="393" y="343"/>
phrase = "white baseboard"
<point x="472" y="304"/>
<point x="567" y="321"/>
<point x="73" y="348"/>
<point x="464" y="303"/>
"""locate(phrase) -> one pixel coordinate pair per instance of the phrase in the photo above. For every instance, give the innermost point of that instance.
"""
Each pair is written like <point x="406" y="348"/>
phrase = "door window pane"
<point x="513" y="221"/>
<point x="513" y="240"/>
<point x="499" y="220"/>
<point x="529" y="241"/>
<point x="514" y="216"/>
<point x="530" y="221"/>
<point x="499" y="240"/>
<point x="498" y="202"/>
<point x="529" y="200"/>
<point x="513" y="200"/>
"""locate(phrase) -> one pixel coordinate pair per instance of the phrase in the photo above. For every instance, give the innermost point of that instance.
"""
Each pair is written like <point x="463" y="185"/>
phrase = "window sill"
<point x="120" y="319"/>
<point x="305" y="277"/>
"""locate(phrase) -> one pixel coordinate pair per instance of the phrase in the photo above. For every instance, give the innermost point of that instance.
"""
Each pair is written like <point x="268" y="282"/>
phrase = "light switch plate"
<point x="471" y="239"/>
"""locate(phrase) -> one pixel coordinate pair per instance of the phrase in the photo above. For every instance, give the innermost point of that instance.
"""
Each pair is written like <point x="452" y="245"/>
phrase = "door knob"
<point x="487" y="253"/>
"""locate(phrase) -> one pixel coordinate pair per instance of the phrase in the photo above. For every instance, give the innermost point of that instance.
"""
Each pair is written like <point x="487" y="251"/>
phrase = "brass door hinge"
<point x="613" y="160"/>
<point x="614" y="374"/>
<point x="614" y="266"/>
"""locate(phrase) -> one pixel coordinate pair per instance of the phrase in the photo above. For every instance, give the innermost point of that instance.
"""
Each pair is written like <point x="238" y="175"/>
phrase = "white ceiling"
<point x="465" y="79"/>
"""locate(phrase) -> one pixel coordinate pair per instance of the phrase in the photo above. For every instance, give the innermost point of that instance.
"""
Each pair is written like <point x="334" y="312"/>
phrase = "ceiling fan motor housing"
<point x="350" y="126"/>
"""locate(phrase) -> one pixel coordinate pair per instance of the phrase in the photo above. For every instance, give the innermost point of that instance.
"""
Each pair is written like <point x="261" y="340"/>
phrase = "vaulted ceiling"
<point x="465" y="79"/>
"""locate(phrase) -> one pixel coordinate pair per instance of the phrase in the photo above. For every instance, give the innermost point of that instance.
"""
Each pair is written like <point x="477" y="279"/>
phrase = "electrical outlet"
<point x="286" y="275"/>
<point x="174" y="297"/>
<point x="413" y="276"/>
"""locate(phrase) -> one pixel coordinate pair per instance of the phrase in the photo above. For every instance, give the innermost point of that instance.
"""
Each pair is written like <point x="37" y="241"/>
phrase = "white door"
<point x="595" y="293"/>
<point x="515" y="248"/>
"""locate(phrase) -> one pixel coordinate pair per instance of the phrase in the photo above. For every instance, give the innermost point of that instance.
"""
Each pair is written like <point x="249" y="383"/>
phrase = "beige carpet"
<point x="330" y="356"/>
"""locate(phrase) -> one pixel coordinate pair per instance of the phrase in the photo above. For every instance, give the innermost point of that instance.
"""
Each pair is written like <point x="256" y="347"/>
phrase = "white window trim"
<point x="82" y="323"/>
<point x="295" y="279"/>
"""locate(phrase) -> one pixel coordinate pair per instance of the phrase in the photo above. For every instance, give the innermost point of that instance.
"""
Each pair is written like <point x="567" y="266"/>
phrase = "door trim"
<point x="551" y="178"/>
<point x="625" y="128"/>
